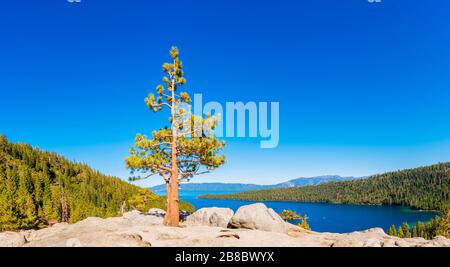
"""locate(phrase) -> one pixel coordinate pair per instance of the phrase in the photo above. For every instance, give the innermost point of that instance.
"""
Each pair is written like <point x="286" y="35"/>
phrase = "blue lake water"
<point x="324" y="217"/>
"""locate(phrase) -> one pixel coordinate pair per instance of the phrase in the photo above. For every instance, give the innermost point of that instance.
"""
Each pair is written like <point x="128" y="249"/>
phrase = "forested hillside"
<point x="38" y="188"/>
<point x="424" y="188"/>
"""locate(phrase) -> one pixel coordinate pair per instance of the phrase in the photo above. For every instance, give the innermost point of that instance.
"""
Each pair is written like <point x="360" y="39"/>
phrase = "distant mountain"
<point x="238" y="187"/>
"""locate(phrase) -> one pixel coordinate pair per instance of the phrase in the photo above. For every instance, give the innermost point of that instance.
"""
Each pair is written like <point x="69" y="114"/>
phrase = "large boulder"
<point x="258" y="217"/>
<point x="216" y="217"/>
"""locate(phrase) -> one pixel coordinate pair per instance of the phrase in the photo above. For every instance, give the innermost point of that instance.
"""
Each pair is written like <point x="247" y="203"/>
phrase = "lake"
<point x="324" y="217"/>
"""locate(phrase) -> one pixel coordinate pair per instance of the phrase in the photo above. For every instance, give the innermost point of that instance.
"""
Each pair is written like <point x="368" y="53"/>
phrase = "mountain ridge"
<point x="221" y="186"/>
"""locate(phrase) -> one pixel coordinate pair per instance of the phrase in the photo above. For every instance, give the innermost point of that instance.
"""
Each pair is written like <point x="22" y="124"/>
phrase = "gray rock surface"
<point x="217" y="217"/>
<point x="258" y="217"/>
<point x="12" y="239"/>
<point x="135" y="229"/>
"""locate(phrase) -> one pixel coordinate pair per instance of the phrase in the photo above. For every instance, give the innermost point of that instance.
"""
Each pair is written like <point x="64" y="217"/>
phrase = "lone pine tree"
<point x="181" y="151"/>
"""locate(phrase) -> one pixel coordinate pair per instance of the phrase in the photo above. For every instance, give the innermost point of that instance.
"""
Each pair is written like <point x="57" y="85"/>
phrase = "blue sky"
<point x="363" y="88"/>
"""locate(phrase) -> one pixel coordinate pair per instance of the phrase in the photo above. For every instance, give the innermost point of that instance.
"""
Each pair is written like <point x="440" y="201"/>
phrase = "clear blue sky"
<point x="363" y="88"/>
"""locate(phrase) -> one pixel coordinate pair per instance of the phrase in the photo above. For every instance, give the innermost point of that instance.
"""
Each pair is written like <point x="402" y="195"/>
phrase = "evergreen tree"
<point x="406" y="230"/>
<point x="419" y="230"/>
<point x="181" y="151"/>
<point x="392" y="231"/>
<point x="289" y="215"/>
<point x="304" y="222"/>
<point x="400" y="232"/>
<point x="25" y="204"/>
<point x="439" y="226"/>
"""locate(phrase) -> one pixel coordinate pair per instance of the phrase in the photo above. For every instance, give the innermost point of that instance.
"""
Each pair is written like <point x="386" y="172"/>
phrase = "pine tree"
<point x="289" y="215"/>
<point x="25" y="202"/>
<point x="400" y="232"/>
<point x="304" y="222"/>
<point x="392" y="231"/>
<point x="405" y="230"/>
<point x="141" y="200"/>
<point x="181" y="151"/>
<point x="419" y="230"/>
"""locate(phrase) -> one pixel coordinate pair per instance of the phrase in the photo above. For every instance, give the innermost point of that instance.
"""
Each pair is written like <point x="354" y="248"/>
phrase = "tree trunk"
<point x="64" y="209"/>
<point x="172" y="217"/>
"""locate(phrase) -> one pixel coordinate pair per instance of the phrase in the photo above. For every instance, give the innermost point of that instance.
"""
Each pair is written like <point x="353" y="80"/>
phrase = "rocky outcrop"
<point x="216" y="217"/>
<point x="135" y="229"/>
<point x="111" y="232"/>
<point x="258" y="217"/>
